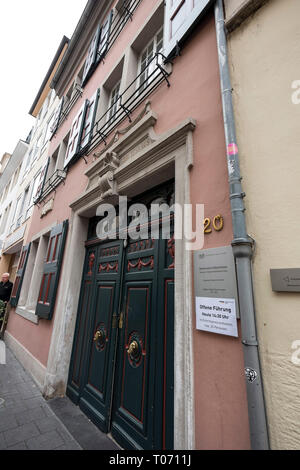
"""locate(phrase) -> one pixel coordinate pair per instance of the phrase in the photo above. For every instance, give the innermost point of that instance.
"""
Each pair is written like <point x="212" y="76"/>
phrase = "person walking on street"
<point x="5" y="287"/>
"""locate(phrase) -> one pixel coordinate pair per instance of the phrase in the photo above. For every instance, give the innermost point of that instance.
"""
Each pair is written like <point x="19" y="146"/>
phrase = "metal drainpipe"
<point x="242" y="248"/>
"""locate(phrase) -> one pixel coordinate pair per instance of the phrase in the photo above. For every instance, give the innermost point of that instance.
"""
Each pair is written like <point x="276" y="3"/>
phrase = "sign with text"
<point x="214" y="274"/>
<point x="285" y="280"/>
<point x="216" y="316"/>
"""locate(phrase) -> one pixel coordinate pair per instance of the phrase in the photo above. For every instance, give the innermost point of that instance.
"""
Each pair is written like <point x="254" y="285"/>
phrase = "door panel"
<point x="133" y="400"/>
<point x="132" y="418"/>
<point x="97" y="339"/>
<point x="101" y="331"/>
<point x="84" y="307"/>
<point x="122" y="367"/>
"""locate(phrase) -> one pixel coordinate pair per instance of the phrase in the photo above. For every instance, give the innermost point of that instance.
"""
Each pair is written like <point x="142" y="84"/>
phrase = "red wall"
<point x="221" y="416"/>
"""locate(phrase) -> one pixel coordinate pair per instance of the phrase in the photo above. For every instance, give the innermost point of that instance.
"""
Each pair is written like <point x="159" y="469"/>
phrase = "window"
<point x="81" y="130"/>
<point x="89" y="120"/>
<point x="33" y="189"/>
<point x="28" y="160"/>
<point x="23" y="207"/>
<point x="38" y="118"/>
<point x="113" y="104"/>
<point x="5" y="219"/>
<point x="97" y="48"/>
<point x="62" y="153"/>
<point x="104" y="37"/>
<point x="51" y="271"/>
<point x="37" y="149"/>
<point x="91" y="57"/>
<point x="75" y="134"/>
<point x="19" y="277"/>
<point x="44" y="108"/>
<point x="16" y="215"/>
<point x="38" y="274"/>
<point x="6" y="191"/>
<point x="180" y="16"/>
<point x="56" y="118"/>
<point x="148" y="63"/>
<point x="41" y="181"/>
<point x="52" y="163"/>
<point x="47" y="133"/>
<point x="51" y="96"/>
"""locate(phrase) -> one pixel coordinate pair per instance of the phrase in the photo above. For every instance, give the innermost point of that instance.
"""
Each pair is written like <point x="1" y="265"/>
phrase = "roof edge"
<point x="91" y="4"/>
<point x="63" y="42"/>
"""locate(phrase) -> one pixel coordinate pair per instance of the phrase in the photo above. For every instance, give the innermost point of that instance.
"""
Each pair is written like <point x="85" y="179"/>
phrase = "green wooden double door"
<point x="122" y="366"/>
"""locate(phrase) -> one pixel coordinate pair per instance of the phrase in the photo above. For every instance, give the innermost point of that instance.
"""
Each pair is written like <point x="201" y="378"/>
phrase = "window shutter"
<point x="104" y="38"/>
<point x="19" y="276"/>
<point x="56" y="118"/>
<point x="89" y="120"/>
<point x="180" y="16"/>
<point x="75" y="135"/>
<point x="51" y="271"/>
<point x="91" y="57"/>
<point x="42" y="179"/>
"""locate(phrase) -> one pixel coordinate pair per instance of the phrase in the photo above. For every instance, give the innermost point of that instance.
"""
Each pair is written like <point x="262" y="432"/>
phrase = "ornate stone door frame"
<point x="135" y="160"/>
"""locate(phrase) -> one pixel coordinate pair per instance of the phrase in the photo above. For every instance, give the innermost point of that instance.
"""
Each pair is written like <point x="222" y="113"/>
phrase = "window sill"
<point x="27" y="314"/>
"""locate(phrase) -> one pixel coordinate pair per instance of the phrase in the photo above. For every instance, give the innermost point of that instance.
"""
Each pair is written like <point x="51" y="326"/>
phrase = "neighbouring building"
<point x="111" y="323"/>
<point x="264" y="50"/>
<point x="24" y="176"/>
<point x="4" y="160"/>
<point x="10" y="244"/>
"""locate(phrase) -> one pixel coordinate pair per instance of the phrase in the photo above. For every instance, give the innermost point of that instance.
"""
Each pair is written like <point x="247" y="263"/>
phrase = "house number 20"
<point x="217" y="223"/>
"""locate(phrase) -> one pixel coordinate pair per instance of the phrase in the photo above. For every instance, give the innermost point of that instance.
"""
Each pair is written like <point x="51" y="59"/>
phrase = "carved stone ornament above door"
<point x="136" y="159"/>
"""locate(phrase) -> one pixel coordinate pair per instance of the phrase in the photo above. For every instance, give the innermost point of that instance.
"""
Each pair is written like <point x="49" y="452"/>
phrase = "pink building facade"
<point x="114" y="324"/>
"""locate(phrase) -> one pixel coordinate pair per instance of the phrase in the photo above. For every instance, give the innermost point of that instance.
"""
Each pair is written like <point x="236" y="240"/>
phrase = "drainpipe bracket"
<point x="237" y="195"/>
<point x="247" y="342"/>
<point x="243" y="247"/>
<point x="242" y="241"/>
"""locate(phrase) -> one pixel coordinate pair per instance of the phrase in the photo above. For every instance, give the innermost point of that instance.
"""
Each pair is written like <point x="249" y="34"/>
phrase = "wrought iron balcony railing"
<point x="118" y="23"/>
<point x="146" y="81"/>
<point x="51" y="183"/>
<point x="69" y="105"/>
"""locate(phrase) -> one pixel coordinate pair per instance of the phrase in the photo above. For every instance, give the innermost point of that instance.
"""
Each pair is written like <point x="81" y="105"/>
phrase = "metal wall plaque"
<point x="285" y="280"/>
<point x="215" y="275"/>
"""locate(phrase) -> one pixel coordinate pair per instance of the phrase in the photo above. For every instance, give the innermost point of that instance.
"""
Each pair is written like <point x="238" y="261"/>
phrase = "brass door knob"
<point x="133" y="347"/>
<point x="98" y="335"/>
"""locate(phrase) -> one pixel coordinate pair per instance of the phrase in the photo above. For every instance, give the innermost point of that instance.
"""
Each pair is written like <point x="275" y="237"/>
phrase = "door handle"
<point x="98" y="335"/>
<point x="133" y="347"/>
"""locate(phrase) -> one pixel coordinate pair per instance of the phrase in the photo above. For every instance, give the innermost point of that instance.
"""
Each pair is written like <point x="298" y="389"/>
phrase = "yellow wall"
<point x="264" y="53"/>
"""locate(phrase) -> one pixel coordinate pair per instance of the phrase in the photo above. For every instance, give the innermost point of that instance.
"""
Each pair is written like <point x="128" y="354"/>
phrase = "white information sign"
<point x="216" y="316"/>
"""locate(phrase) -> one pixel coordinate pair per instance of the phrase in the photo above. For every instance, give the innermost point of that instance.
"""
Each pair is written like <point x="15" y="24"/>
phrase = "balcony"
<point x="119" y="21"/>
<point x="77" y="93"/>
<point x="51" y="184"/>
<point x="147" y="81"/>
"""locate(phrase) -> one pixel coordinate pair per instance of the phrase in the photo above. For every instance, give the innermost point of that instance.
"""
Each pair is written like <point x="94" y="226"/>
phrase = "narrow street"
<point x="29" y="422"/>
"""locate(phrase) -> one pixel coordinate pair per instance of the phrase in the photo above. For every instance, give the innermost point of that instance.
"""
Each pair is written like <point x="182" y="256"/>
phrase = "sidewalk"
<point x="29" y="422"/>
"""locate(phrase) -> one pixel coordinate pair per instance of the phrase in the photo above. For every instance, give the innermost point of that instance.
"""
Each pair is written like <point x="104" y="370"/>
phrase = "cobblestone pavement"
<point x="29" y="422"/>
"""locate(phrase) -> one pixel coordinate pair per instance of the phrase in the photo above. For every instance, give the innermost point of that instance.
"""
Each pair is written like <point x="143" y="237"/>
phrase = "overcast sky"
<point x="30" y="33"/>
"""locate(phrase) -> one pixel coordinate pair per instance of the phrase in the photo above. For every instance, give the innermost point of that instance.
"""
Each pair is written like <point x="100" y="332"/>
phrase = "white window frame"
<point x="155" y="41"/>
<point x="194" y="9"/>
<point x="113" y="101"/>
<point x="22" y="210"/>
<point x="16" y="215"/>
